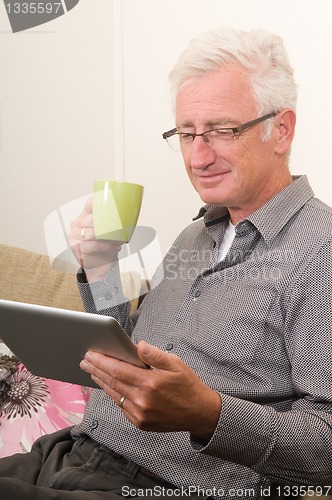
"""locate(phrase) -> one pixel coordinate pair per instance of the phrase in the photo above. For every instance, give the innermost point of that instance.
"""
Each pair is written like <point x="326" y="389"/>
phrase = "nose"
<point x="201" y="154"/>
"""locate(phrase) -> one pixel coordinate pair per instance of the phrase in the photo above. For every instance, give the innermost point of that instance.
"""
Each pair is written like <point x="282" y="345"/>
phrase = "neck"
<point x="239" y="213"/>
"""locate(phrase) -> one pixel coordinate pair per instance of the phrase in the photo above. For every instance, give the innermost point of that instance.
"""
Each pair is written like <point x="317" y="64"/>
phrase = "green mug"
<point x="116" y="206"/>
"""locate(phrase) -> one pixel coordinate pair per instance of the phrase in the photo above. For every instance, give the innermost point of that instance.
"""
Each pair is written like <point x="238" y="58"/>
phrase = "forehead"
<point x="220" y="95"/>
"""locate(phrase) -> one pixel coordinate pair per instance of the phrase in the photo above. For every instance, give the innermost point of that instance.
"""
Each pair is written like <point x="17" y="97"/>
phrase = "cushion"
<point x="26" y="276"/>
<point x="32" y="406"/>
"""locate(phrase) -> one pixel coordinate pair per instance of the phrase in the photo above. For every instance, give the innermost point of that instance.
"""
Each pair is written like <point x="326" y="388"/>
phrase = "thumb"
<point x="155" y="357"/>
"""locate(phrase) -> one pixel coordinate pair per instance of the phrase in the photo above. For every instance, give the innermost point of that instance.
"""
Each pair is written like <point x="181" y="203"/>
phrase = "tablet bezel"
<point x="51" y="342"/>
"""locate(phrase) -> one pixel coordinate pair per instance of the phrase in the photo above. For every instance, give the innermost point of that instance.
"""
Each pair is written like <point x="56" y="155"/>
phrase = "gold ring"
<point x="122" y="400"/>
<point x="83" y="233"/>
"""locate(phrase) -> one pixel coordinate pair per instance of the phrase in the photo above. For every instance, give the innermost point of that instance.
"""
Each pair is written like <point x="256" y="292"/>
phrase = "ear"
<point x="285" y="124"/>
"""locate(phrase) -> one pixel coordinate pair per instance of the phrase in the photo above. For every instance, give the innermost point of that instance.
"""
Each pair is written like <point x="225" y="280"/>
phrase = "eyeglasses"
<point x="178" y="141"/>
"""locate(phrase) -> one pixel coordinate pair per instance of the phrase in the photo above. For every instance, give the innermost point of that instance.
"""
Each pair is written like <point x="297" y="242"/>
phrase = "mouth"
<point x="211" y="179"/>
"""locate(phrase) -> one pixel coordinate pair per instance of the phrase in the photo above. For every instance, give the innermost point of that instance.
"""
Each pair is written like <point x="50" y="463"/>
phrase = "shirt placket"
<point x="244" y="243"/>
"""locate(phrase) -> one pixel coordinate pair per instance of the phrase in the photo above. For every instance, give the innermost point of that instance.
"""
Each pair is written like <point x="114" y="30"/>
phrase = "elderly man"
<point x="239" y="400"/>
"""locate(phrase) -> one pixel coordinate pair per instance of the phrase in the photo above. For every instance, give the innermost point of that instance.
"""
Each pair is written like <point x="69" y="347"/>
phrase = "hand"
<point x="168" y="398"/>
<point x="94" y="256"/>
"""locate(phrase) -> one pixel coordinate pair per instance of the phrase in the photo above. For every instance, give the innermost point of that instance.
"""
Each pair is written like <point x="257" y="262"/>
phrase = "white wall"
<point x="56" y="125"/>
<point x="57" y="105"/>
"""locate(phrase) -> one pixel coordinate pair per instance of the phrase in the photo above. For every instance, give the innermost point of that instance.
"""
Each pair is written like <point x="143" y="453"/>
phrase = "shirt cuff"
<point x="101" y="296"/>
<point x="243" y="434"/>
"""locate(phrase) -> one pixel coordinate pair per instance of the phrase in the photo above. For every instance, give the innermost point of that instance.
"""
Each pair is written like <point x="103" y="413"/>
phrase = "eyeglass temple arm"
<point x="169" y="133"/>
<point x="240" y="128"/>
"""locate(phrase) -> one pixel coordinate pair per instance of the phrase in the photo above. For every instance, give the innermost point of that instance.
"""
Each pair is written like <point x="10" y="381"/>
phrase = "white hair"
<point x="260" y="53"/>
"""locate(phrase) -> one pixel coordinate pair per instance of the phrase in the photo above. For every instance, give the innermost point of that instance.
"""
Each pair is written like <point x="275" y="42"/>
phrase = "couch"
<point x="31" y="406"/>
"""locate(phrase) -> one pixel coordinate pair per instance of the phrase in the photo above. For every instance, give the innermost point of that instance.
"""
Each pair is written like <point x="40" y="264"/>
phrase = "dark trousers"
<point x="59" y="468"/>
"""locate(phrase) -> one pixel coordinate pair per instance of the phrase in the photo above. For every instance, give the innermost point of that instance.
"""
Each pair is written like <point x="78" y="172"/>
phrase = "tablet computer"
<point x="51" y="342"/>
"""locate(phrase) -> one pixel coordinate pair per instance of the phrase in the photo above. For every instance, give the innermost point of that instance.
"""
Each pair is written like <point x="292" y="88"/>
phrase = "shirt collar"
<point x="270" y="218"/>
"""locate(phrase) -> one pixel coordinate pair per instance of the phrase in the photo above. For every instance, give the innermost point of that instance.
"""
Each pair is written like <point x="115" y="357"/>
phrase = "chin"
<point x="213" y="192"/>
<point x="212" y="198"/>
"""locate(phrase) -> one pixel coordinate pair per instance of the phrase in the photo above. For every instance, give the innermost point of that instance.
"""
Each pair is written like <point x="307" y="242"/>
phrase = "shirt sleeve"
<point x="293" y="446"/>
<point x="106" y="298"/>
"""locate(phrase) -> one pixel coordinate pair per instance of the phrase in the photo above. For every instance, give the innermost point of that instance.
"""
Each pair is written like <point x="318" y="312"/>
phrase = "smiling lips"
<point x="210" y="179"/>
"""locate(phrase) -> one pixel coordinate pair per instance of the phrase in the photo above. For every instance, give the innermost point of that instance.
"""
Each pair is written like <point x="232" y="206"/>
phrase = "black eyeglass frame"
<point x="236" y="130"/>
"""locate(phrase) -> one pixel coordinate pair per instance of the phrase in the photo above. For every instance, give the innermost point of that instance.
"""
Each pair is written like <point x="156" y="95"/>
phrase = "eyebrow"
<point x="222" y="123"/>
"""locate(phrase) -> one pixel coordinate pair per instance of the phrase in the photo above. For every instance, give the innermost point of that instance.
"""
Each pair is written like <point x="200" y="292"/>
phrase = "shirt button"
<point x="196" y="293"/>
<point x="94" y="424"/>
<point x="169" y="347"/>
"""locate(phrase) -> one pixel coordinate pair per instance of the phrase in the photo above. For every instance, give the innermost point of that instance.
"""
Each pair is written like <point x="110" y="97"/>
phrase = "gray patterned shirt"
<point x="256" y="327"/>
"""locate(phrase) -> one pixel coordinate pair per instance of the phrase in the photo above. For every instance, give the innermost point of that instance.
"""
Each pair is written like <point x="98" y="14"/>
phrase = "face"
<point x="242" y="174"/>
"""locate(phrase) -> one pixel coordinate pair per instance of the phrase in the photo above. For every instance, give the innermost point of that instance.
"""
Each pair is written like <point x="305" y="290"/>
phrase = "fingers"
<point x="96" y="257"/>
<point x="117" y="378"/>
<point x="83" y="221"/>
<point x="109" y="371"/>
<point x="113" y="372"/>
<point x="122" y="394"/>
<point x="81" y="228"/>
<point x="122" y="401"/>
<point x="86" y="232"/>
<point x="88" y="206"/>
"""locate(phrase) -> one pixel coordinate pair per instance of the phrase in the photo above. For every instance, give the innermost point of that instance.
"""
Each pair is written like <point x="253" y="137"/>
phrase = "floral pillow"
<point x="32" y="406"/>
